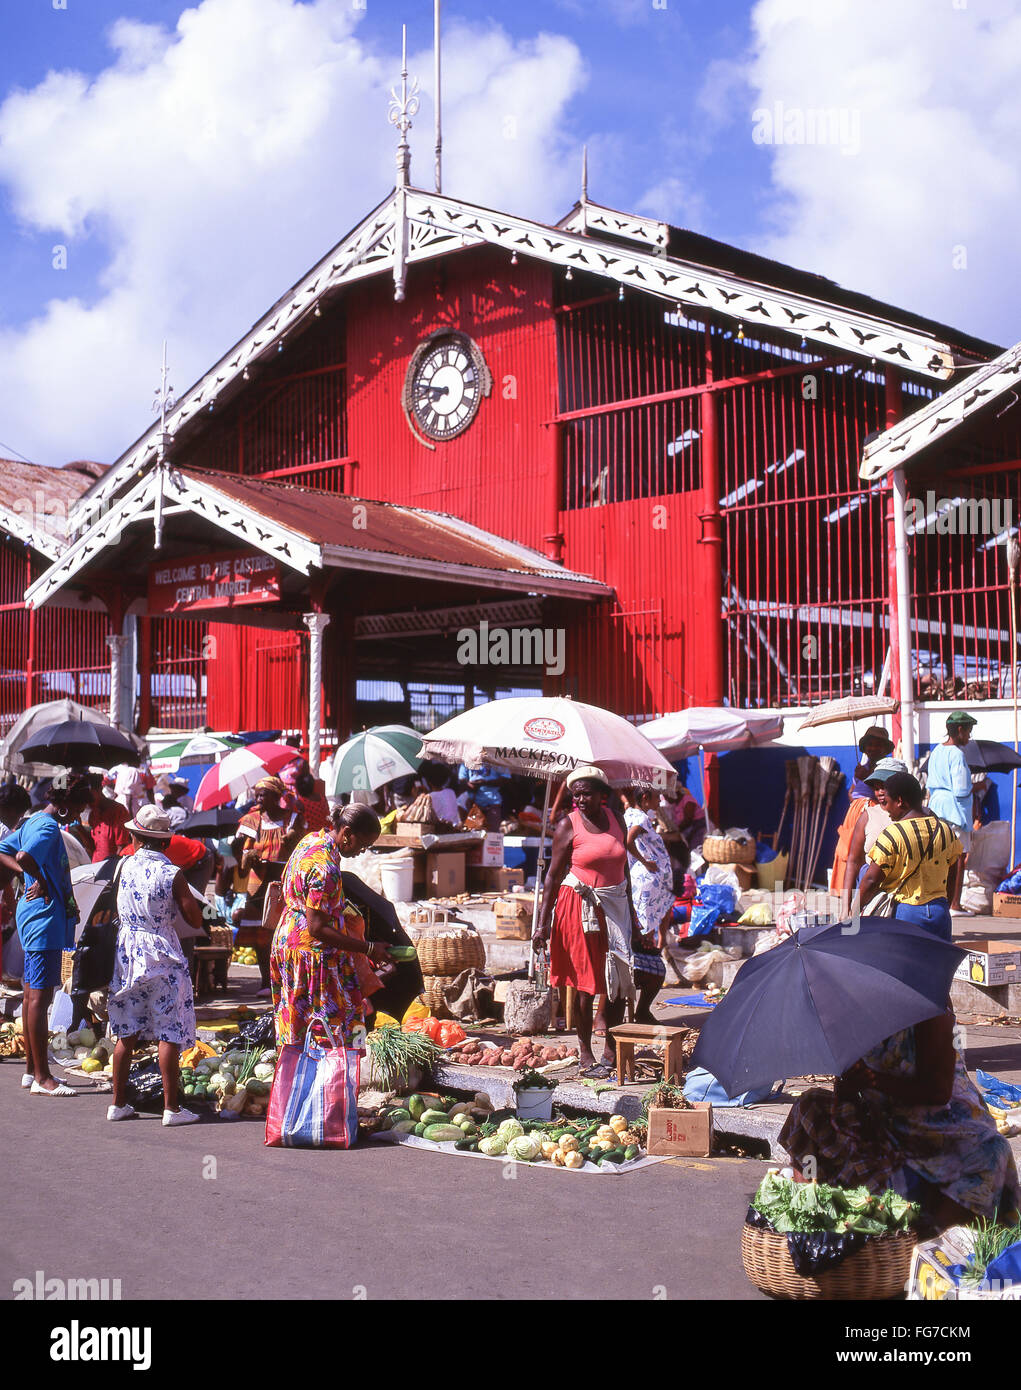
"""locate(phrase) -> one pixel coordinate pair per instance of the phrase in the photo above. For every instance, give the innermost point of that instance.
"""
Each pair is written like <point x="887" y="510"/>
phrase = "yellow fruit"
<point x="92" y="1064"/>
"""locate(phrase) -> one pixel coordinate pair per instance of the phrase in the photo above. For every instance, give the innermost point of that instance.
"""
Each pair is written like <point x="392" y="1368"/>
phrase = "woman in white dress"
<point x="150" y="993"/>
<point x="652" y="887"/>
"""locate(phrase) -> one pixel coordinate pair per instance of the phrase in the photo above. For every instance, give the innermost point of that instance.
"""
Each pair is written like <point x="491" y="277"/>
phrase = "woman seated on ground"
<point x="914" y="859"/>
<point x="320" y="962"/>
<point x="908" y="1116"/>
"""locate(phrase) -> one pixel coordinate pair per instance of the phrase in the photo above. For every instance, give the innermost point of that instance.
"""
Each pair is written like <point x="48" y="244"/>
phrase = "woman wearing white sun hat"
<point x="150" y="993"/>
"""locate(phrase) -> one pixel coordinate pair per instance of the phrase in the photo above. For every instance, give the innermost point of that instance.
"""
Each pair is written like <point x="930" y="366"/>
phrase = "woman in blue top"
<point x="46" y="916"/>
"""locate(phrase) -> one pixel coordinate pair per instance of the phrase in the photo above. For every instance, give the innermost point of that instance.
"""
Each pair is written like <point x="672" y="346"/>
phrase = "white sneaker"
<point x="121" y="1112"/>
<point x="180" y="1117"/>
<point x="26" y="1081"/>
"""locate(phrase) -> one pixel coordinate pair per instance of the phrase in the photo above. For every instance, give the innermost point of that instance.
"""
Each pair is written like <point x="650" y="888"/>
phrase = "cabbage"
<point x="510" y="1129"/>
<point x="87" y="1037"/>
<point x="264" y="1071"/>
<point x="493" y="1146"/>
<point x="525" y="1147"/>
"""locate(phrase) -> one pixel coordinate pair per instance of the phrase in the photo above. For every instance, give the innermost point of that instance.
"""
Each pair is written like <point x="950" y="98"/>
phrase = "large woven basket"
<point x="449" y="949"/>
<point x="221" y="937"/>
<point x="432" y="994"/>
<point x="66" y="966"/>
<point x="717" y="849"/>
<point x="878" y="1270"/>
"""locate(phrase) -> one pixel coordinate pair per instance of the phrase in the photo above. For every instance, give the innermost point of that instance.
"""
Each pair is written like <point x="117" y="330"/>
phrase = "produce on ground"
<point x="989" y="1243"/>
<point x="814" y="1206"/>
<point x="395" y="1052"/>
<point x="562" y="1142"/>
<point x="522" y="1054"/>
<point x="244" y="955"/>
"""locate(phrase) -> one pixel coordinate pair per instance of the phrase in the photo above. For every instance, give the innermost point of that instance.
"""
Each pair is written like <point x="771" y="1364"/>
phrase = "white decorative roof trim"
<point x="590" y="217"/>
<point x="40" y="541"/>
<point x="979" y="387"/>
<point x="680" y="282"/>
<point x="180" y="494"/>
<point x="546" y="581"/>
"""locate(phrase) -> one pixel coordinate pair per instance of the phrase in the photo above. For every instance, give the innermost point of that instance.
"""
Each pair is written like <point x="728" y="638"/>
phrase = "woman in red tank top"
<point x="590" y="851"/>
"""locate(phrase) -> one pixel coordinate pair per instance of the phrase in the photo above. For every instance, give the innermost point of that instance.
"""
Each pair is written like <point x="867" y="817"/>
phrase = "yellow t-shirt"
<point x="903" y="853"/>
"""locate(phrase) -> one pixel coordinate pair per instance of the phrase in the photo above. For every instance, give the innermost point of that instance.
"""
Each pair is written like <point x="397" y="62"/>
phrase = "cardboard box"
<point x="514" y="917"/>
<point x="492" y="850"/>
<point x="483" y="880"/>
<point x="681" y="1133"/>
<point x="1007" y="904"/>
<point x="444" y="873"/>
<point x="932" y="1282"/>
<point x="990" y="962"/>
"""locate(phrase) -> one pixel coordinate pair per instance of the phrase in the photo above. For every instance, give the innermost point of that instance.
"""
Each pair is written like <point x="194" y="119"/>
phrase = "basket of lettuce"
<point x="810" y="1240"/>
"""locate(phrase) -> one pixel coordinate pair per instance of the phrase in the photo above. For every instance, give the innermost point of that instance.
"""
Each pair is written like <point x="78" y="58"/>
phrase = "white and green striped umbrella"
<point x="200" y="748"/>
<point x="373" y="758"/>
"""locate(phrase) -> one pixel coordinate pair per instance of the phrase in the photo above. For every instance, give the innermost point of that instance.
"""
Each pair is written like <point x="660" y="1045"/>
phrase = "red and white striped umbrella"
<point x="239" y="771"/>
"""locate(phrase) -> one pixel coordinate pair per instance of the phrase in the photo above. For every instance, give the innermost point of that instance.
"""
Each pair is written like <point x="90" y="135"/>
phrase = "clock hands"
<point x="433" y="392"/>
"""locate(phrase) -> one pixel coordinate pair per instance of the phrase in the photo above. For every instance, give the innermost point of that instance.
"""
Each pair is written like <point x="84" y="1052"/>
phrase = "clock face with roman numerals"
<point x="446" y="381"/>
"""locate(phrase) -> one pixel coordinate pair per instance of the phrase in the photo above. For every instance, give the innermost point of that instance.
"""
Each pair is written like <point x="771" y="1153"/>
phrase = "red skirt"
<point x="577" y="957"/>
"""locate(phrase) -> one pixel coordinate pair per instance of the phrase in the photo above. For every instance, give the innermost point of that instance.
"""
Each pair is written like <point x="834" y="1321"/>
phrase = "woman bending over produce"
<point x="907" y="1116"/>
<point x="587" y="906"/>
<point x="317" y="956"/>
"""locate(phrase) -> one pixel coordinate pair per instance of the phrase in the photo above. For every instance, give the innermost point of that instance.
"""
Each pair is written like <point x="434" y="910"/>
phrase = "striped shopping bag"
<point x="314" y="1100"/>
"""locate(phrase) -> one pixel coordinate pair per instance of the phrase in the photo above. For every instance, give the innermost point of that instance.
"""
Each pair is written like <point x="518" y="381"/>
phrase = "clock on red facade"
<point x="446" y="380"/>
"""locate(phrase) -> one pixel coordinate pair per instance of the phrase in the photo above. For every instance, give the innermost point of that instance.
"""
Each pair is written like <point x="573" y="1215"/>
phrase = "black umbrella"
<point x="214" y="824"/>
<point x="986" y="755"/>
<point x="79" y="743"/>
<point x="824" y="998"/>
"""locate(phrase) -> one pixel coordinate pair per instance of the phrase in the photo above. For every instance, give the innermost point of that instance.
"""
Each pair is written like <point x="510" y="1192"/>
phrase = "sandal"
<point x="598" y="1071"/>
<point x="60" y="1089"/>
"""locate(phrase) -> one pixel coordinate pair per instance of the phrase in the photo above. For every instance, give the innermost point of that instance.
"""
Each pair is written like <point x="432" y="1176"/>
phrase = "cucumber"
<point x="442" y="1133"/>
<point x="420" y="1130"/>
<point x="404" y="1127"/>
<point x="398" y="1113"/>
<point x="435" y="1117"/>
<point x="464" y="1145"/>
<point x="632" y="1151"/>
<point x="417" y="1106"/>
<point x="613" y="1156"/>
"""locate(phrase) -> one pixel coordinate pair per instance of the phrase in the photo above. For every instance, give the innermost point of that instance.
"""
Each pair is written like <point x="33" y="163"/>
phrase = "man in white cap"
<point x="150" y="993"/>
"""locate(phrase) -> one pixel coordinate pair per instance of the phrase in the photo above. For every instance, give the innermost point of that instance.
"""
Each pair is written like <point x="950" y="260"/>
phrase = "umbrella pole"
<point x="1013" y="559"/>
<point x="539" y="866"/>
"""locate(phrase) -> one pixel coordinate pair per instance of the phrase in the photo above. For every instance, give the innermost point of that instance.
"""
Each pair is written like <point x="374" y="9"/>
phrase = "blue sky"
<point x="195" y="161"/>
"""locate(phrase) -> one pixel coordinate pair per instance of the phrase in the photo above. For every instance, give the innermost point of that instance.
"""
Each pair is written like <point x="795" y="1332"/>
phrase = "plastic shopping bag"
<point x="314" y="1100"/>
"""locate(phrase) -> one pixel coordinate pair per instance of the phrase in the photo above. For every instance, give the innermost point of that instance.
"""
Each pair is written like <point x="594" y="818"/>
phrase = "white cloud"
<point x="933" y="92"/>
<point x="217" y="163"/>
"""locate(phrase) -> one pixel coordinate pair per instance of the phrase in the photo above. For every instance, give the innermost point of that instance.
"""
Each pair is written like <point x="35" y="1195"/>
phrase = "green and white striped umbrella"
<point x="200" y="748"/>
<point x="373" y="758"/>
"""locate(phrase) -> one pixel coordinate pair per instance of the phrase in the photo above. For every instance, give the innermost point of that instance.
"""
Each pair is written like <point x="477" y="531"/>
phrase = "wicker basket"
<point x="66" y="966"/>
<point x="221" y="937"/>
<point x="450" y="949"/>
<point x="878" y="1270"/>
<point x="432" y="994"/>
<point x="717" y="849"/>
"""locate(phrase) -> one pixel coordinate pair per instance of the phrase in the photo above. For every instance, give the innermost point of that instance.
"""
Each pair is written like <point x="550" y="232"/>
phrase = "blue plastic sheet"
<point x="716" y="901"/>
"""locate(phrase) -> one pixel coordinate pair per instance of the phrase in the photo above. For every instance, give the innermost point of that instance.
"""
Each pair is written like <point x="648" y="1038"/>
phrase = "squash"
<point x="618" y="1123"/>
<point x="574" y="1160"/>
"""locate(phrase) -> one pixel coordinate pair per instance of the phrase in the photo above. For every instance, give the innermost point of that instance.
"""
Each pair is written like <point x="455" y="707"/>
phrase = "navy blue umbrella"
<point x="79" y="743"/>
<point x="824" y="998"/>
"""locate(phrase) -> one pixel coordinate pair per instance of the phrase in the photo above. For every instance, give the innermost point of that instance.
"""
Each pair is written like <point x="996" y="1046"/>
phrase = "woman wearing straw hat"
<point x="588" y="915"/>
<point x="875" y="744"/>
<point x="150" y="993"/>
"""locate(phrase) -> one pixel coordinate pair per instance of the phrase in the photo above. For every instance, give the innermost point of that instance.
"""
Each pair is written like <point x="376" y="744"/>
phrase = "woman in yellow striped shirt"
<point x="914" y="859"/>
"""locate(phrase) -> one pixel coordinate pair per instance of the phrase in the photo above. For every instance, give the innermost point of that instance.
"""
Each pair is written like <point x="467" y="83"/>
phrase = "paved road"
<point x="85" y="1198"/>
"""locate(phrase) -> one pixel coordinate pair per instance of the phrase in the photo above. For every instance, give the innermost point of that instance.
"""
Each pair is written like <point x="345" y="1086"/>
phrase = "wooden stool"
<point x="209" y="969"/>
<point x="627" y="1035"/>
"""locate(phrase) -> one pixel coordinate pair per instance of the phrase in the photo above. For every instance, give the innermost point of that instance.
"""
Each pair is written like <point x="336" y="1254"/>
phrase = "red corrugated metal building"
<point x="673" y="417"/>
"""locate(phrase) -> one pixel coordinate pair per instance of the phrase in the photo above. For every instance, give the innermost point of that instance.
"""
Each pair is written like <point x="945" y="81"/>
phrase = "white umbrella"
<point x="712" y="730"/>
<point x="199" y="749"/>
<point x="549" y="738"/>
<point x="28" y="725"/>
<point x="850" y="707"/>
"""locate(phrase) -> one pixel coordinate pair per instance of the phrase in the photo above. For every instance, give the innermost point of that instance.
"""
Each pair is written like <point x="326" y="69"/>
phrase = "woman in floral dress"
<point x="908" y="1116"/>
<point x="318" y="962"/>
<point x="150" y="994"/>
<point x="652" y="887"/>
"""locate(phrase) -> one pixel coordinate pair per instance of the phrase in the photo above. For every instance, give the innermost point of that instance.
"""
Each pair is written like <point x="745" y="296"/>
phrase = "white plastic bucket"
<point x="397" y="877"/>
<point x="535" y="1104"/>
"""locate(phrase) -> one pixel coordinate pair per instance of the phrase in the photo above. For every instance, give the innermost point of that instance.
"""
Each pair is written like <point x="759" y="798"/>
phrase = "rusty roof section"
<point x="35" y="501"/>
<point x="340" y="523"/>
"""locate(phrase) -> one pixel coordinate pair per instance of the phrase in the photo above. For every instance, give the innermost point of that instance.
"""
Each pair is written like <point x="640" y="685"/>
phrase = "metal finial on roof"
<point x="162" y="402"/>
<point x="437" y="96"/>
<point x="584" y="173"/>
<point x="403" y="109"/>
